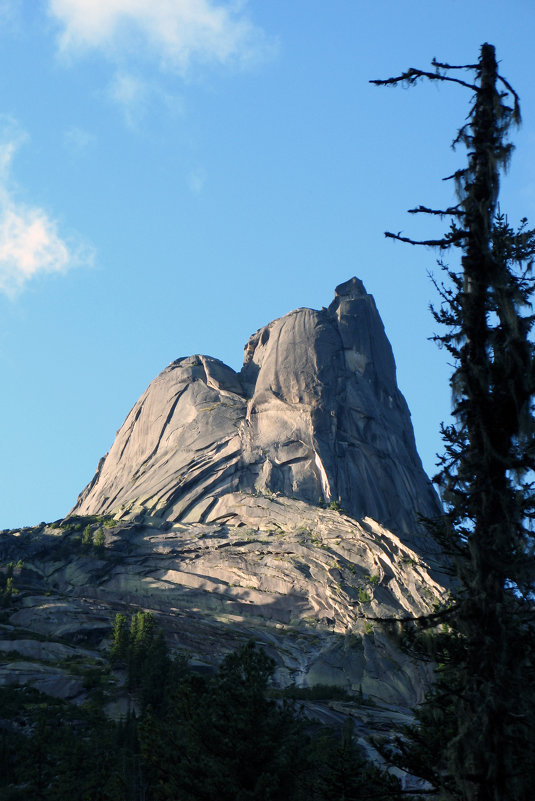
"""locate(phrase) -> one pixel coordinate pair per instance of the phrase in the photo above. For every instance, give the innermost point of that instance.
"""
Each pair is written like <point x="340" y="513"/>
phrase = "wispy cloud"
<point x="8" y="12"/>
<point x="137" y="97"/>
<point x="174" y="32"/>
<point x="131" y="94"/>
<point x="196" y="181"/>
<point x="30" y="244"/>
<point x="78" y="141"/>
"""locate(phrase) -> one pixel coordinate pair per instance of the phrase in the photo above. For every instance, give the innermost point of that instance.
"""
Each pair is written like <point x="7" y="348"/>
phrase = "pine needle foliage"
<point x="475" y="734"/>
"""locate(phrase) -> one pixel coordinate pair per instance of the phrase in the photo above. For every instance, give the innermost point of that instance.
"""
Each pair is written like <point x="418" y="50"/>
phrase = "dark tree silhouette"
<point x="475" y="736"/>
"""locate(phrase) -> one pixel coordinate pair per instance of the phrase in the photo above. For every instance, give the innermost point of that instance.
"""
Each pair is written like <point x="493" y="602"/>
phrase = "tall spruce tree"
<point x="475" y="734"/>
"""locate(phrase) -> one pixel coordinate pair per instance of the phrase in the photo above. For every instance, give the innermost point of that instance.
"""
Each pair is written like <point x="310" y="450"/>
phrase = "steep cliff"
<point x="314" y="414"/>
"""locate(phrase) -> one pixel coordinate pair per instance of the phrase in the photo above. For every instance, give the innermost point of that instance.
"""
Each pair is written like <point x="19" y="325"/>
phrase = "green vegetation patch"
<point x="364" y="597"/>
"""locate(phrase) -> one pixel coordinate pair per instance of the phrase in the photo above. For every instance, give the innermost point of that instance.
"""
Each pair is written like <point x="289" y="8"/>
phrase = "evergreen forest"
<point x="190" y="736"/>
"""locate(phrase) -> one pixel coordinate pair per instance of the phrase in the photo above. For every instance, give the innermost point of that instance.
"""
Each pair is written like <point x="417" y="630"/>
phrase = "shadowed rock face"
<point x="315" y="413"/>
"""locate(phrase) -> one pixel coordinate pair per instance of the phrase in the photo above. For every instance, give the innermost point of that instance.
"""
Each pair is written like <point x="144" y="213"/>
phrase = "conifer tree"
<point x="87" y="537"/>
<point x="120" y="639"/>
<point x="100" y="540"/>
<point x="475" y="736"/>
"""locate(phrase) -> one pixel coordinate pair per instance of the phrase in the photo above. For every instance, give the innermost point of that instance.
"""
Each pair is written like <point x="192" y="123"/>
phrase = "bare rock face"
<point x="315" y="414"/>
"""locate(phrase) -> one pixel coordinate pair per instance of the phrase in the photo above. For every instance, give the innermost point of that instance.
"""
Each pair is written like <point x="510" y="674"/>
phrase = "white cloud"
<point x="176" y="32"/>
<point x="30" y="244"/>
<point x="11" y="138"/>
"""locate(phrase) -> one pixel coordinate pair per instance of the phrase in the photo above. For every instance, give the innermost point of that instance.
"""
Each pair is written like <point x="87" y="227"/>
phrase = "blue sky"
<point x="176" y="173"/>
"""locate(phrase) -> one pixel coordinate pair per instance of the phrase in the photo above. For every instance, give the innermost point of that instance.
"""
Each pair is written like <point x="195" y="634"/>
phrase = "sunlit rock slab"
<point x="308" y="584"/>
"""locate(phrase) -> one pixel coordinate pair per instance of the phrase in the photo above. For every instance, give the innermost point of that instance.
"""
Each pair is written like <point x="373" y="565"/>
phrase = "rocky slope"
<point x="306" y="584"/>
<point x="206" y="510"/>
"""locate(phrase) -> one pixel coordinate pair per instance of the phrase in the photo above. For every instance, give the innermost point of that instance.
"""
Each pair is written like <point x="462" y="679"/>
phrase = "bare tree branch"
<point x="412" y="75"/>
<point x="444" y="66"/>
<point x="443" y="244"/>
<point x="453" y="210"/>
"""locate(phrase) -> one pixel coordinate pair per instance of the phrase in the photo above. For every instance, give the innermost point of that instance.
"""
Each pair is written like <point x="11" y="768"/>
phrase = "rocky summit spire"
<point x="314" y="414"/>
